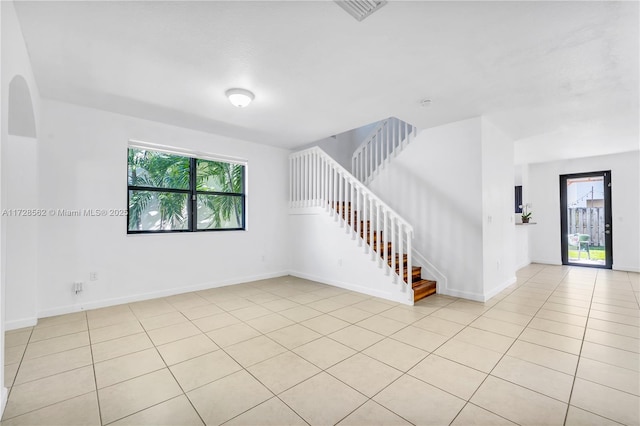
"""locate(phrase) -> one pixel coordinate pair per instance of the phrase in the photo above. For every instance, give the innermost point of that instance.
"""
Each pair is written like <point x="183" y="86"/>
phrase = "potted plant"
<point x="526" y="215"/>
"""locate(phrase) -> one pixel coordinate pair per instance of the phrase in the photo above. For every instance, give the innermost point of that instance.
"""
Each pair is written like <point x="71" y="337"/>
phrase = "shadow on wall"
<point x="446" y="232"/>
<point x="21" y="118"/>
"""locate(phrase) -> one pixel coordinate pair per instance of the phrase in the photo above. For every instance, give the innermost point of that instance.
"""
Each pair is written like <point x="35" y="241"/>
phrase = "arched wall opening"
<point x="21" y="117"/>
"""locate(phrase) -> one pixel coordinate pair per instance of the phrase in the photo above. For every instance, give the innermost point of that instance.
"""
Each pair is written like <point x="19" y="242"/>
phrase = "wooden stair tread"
<point x="421" y="287"/>
<point x="423" y="282"/>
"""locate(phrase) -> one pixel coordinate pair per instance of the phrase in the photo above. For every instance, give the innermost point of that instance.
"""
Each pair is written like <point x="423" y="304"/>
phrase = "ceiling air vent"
<point x="360" y="9"/>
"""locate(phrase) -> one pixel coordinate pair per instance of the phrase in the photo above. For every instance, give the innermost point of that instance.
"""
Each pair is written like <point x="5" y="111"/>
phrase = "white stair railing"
<point x="388" y="138"/>
<point x="317" y="180"/>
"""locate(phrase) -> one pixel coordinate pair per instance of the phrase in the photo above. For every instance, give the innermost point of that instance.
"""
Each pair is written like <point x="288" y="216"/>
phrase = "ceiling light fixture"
<point x="239" y="97"/>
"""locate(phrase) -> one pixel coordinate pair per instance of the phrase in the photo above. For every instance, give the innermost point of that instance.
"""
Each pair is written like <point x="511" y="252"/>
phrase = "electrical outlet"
<point x="93" y="276"/>
<point x="77" y="286"/>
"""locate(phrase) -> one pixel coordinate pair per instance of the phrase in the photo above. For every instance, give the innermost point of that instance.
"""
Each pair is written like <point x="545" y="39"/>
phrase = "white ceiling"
<point x="548" y="73"/>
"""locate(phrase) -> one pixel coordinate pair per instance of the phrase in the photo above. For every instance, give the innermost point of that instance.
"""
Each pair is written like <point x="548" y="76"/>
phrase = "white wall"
<point x="3" y="131"/>
<point x="83" y="165"/>
<point x="498" y="230"/>
<point x="20" y="169"/>
<point x="341" y="147"/>
<point x="544" y="194"/>
<point x="523" y="244"/>
<point x="435" y="183"/>
<point x="14" y="62"/>
<point x="323" y="251"/>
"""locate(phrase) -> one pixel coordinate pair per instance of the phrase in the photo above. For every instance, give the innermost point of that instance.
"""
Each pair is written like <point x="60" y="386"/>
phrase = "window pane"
<point x="155" y="211"/>
<point x="220" y="212"/>
<point x="157" y="169"/>
<point x="216" y="176"/>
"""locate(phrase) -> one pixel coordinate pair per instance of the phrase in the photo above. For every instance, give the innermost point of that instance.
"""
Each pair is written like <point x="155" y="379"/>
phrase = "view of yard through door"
<point x="586" y="225"/>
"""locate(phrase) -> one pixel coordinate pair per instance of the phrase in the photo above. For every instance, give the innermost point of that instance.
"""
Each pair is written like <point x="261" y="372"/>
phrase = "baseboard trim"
<point x="546" y="262"/>
<point x="479" y="297"/>
<point x="509" y="282"/>
<point x="476" y="297"/>
<point x="523" y="264"/>
<point x="625" y="268"/>
<point x="154" y="295"/>
<point x="21" y="323"/>
<point x="404" y="298"/>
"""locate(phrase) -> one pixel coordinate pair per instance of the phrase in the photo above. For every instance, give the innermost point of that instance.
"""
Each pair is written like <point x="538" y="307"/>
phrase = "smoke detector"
<point x="360" y="9"/>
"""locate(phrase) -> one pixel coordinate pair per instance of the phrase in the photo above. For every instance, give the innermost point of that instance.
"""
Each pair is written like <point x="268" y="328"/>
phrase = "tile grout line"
<point x="165" y="366"/>
<point x="13" y="382"/>
<point x="323" y="370"/>
<point x="45" y="377"/>
<point x="505" y="353"/>
<point x="93" y="368"/>
<point x="575" y="374"/>
<point x="384" y="337"/>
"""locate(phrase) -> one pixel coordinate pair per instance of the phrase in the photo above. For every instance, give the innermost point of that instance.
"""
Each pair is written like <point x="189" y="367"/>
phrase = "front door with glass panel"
<point x="585" y="200"/>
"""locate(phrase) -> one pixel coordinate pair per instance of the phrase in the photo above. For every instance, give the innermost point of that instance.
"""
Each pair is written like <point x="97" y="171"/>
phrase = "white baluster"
<point x="303" y="182"/>
<point x="365" y="225"/>
<point x="352" y="209"/>
<point x="375" y="155"/>
<point x="394" y="240"/>
<point x="385" y="238"/>
<point x="372" y="225"/>
<point x="380" y="147"/>
<point x="357" y="224"/>
<point x="309" y="175"/>
<point x="400" y="256"/>
<point x="379" y="234"/>
<point x="340" y="196"/>
<point x="314" y="198"/>
<point x="331" y="191"/>
<point x="290" y="183"/>
<point x="409" y="269"/>
<point x="297" y="180"/>
<point x="406" y="133"/>
<point x="389" y="144"/>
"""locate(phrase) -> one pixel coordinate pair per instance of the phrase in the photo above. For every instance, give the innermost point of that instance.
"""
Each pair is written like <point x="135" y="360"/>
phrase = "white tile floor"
<point x="559" y="347"/>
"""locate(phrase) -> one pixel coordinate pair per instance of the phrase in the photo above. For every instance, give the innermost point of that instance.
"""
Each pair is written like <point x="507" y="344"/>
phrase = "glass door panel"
<point x="585" y="200"/>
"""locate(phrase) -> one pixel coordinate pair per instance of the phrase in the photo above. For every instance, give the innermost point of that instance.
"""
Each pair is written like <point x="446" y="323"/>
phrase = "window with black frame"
<point x="175" y="193"/>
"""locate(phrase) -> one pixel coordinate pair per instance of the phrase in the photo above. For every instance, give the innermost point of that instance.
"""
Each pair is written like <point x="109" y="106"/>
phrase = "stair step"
<point x="376" y="235"/>
<point x="380" y="250"/>
<point x="405" y="259"/>
<point x="423" y="288"/>
<point x="416" y="273"/>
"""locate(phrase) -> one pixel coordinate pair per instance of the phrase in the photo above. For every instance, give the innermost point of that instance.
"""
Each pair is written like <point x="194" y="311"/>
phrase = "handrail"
<point x="339" y="166"/>
<point x="319" y="180"/>
<point x="386" y="139"/>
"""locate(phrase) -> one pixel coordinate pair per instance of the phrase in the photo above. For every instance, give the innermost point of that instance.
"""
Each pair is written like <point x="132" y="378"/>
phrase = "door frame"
<point x="608" y="236"/>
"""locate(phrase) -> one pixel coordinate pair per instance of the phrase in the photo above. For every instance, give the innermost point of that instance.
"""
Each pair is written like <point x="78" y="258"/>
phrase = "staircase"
<point x="384" y="142"/>
<point x="421" y="287"/>
<point x="317" y="180"/>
